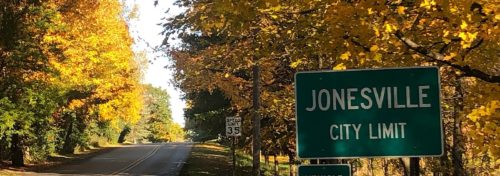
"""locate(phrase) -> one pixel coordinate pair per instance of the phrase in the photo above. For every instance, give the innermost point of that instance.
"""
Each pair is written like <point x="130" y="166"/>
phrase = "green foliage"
<point x="64" y="85"/>
<point x="159" y="116"/>
<point x="205" y="118"/>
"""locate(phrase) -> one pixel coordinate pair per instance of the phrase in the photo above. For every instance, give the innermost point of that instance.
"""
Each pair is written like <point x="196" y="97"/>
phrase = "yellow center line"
<point x="138" y="161"/>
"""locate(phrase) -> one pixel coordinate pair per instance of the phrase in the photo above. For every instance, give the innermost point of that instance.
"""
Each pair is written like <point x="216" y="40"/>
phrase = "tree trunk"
<point x="266" y="157"/>
<point x="291" y="163"/>
<point x="3" y="144"/>
<point x="457" y="150"/>
<point x="17" y="155"/>
<point x="276" y="169"/>
<point x="444" y="160"/>
<point x="403" y="165"/>
<point x="68" y="147"/>
<point x="370" y="166"/>
<point x="386" y="167"/>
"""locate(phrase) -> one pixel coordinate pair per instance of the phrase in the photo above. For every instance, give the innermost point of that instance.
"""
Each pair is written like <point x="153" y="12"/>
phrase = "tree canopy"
<point x="69" y="78"/>
<point x="221" y="40"/>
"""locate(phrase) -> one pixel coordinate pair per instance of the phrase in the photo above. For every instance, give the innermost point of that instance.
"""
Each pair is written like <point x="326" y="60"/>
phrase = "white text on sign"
<point x="375" y="97"/>
<point x="375" y="131"/>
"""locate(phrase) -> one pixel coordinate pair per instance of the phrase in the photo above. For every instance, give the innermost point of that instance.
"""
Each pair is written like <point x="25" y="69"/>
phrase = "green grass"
<point x="214" y="159"/>
<point x="244" y="162"/>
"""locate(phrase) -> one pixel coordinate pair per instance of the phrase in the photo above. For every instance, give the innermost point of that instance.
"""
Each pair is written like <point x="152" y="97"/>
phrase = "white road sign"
<point x="233" y="126"/>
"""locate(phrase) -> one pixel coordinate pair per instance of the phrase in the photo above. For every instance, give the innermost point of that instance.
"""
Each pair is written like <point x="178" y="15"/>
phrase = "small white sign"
<point x="233" y="126"/>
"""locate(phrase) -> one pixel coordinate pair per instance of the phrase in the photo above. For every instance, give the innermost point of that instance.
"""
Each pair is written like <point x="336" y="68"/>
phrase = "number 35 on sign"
<point x="233" y="126"/>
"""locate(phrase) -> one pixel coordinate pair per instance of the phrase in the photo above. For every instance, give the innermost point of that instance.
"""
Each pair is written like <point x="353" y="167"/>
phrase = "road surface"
<point x="145" y="159"/>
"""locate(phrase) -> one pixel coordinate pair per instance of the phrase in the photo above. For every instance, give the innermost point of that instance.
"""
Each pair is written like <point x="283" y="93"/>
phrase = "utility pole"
<point x="256" y="120"/>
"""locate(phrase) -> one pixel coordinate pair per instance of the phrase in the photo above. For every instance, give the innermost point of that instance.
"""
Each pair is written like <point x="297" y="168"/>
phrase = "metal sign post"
<point x="233" y="129"/>
<point x="234" y="155"/>
<point x="414" y="166"/>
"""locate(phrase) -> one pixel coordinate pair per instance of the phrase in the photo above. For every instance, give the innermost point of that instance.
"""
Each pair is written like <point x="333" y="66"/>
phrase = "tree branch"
<point x="439" y="58"/>
<point x="358" y="43"/>
<point x="355" y="41"/>
<point x="477" y="44"/>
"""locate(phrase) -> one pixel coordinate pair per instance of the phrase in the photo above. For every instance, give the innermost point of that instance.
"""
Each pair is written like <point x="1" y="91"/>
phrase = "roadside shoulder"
<point x="58" y="160"/>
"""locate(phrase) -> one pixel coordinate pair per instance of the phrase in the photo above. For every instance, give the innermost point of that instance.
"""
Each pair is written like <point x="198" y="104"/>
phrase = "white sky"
<point x="146" y="28"/>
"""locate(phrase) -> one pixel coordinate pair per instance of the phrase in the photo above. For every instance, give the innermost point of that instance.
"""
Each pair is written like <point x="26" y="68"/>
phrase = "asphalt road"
<point x="146" y="159"/>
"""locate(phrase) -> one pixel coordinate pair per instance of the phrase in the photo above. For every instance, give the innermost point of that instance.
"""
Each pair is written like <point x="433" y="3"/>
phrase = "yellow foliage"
<point x="467" y="38"/>
<point x="428" y="4"/>
<point x="482" y="125"/>
<point x="449" y="57"/>
<point x="296" y="63"/>
<point x="446" y="33"/>
<point x="75" y="104"/>
<point x="488" y="110"/>
<point x="370" y="11"/>
<point x="335" y="33"/>
<point x="389" y="28"/>
<point x="401" y="10"/>
<point x="463" y="25"/>
<point x="340" y="66"/>
<point x="453" y="9"/>
<point x="374" y="48"/>
<point x="98" y="58"/>
<point x="377" y="32"/>
<point x="345" y="56"/>
<point x="378" y="57"/>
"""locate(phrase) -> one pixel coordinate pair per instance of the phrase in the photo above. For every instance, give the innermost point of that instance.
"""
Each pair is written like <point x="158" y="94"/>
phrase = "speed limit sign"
<point x="233" y="126"/>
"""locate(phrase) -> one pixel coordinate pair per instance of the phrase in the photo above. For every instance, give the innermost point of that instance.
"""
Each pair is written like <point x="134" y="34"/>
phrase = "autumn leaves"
<point x="72" y="80"/>
<point x="221" y="40"/>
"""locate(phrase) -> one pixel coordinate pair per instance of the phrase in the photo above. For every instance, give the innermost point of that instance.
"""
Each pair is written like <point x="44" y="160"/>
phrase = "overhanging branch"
<point x="439" y="58"/>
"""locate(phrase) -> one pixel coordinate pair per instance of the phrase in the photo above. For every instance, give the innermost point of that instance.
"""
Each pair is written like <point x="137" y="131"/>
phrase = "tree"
<point x="221" y="40"/>
<point x="68" y="74"/>
<point x="159" y="116"/>
<point x="206" y="115"/>
<point x="27" y="100"/>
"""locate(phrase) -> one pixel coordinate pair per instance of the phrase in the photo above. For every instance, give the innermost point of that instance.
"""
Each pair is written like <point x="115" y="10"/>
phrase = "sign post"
<point x="368" y="113"/>
<point x="233" y="148"/>
<point x="414" y="166"/>
<point x="333" y="169"/>
<point x="233" y="129"/>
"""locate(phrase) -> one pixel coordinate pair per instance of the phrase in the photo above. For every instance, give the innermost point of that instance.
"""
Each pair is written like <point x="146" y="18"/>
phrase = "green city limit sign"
<point x="325" y="170"/>
<point x="391" y="112"/>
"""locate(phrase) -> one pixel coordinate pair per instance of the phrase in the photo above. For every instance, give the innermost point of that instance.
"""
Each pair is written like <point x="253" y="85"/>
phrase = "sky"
<point x="146" y="27"/>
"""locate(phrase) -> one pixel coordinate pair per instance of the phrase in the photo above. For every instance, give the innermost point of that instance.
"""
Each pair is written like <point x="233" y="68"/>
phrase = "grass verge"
<point x="207" y="159"/>
<point x="214" y="159"/>
<point x="244" y="164"/>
